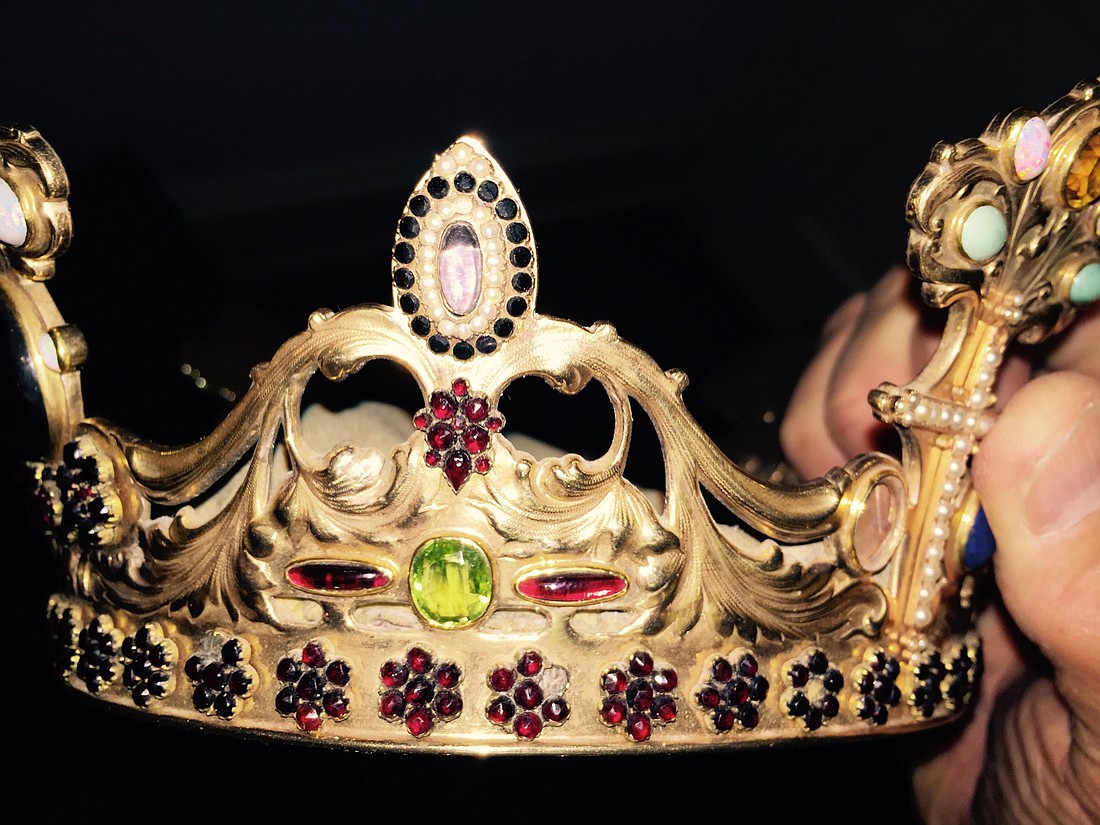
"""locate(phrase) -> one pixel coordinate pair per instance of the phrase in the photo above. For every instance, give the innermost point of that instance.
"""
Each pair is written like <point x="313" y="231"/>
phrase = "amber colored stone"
<point x="1083" y="178"/>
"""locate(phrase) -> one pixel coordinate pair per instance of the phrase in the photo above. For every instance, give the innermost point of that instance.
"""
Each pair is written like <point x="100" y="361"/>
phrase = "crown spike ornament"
<point x="456" y="593"/>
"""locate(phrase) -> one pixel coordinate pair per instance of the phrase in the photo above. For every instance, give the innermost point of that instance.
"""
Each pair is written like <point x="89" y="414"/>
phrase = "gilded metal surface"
<point x="860" y="568"/>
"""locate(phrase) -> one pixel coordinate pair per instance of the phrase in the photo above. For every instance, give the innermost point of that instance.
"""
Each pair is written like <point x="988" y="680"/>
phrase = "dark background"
<point x="714" y="180"/>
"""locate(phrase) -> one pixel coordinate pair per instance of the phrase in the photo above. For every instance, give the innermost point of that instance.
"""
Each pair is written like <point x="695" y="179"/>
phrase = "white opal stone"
<point x="1032" y="149"/>
<point x="13" y="223"/>
<point x="49" y="352"/>
<point x="460" y="269"/>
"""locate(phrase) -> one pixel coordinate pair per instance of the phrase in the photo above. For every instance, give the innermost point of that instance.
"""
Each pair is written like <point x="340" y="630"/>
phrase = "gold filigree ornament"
<point x="456" y="593"/>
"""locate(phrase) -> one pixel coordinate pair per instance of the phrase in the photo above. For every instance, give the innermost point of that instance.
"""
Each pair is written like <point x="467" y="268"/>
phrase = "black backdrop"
<point x="712" y="179"/>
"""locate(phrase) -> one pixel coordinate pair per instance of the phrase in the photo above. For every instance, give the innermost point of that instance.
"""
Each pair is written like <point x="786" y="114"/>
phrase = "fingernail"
<point x="1066" y="485"/>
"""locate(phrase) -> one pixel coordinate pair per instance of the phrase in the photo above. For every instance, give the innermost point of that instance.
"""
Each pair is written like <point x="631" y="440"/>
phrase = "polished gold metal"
<point x="863" y="568"/>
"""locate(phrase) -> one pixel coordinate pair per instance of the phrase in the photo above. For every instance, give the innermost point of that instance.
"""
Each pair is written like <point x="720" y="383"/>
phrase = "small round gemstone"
<point x="463" y="350"/>
<point x="313" y="655"/>
<point x="516" y="232"/>
<point x="520" y="256"/>
<point x="641" y="663"/>
<point x="494" y="424"/>
<point x="447" y="704"/>
<point x="530" y="663"/>
<point x="232" y="652"/>
<point x="748" y="716"/>
<point x="438" y="187"/>
<point x="215" y="675"/>
<point x="464" y="182"/>
<point x="421" y="326"/>
<point x="500" y="710"/>
<point x="336" y="704"/>
<point x="612" y="711"/>
<point x="476" y="409"/>
<point x="240" y="683"/>
<point x="141" y="695"/>
<point x="404" y="253"/>
<point x="420" y="661"/>
<point x="447" y="675"/>
<point x="798" y="704"/>
<point x="798" y="675"/>
<point x="392" y="704"/>
<point x="202" y="698"/>
<point x="460" y="386"/>
<point x="419" y="722"/>
<point x="614" y="682"/>
<point x="665" y="680"/>
<point x="748" y="665"/>
<point x="507" y="209"/>
<point x="441" y="436"/>
<point x="818" y="662"/>
<point x="880" y="715"/>
<point x="833" y="680"/>
<point x="308" y="718"/>
<point x="1085" y="290"/>
<point x="516" y="307"/>
<point x="286" y="701"/>
<point x="193" y="668"/>
<point x="724" y="720"/>
<point x="722" y="671"/>
<point x="409" y="227"/>
<point x="442" y="404"/>
<point x="475" y="439"/>
<point x="710" y="698"/>
<point x="736" y="692"/>
<point x="419" y="691"/>
<point x="503" y="327"/>
<point x="394" y="674"/>
<point x="419" y="206"/>
<point x="522" y="281"/>
<point x="813" y="718"/>
<point x="225" y="705"/>
<point x="311" y="685"/>
<point x="409" y="303"/>
<point x="338" y="672"/>
<point x="638" y="727"/>
<point x="439" y="344"/>
<point x="555" y="710"/>
<point x="639" y="694"/>
<point x="502" y="679"/>
<point x="830" y="705"/>
<point x="664" y="708"/>
<point x="488" y="191"/>
<point x="528" y="694"/>
<point x="758" y="688"/>
<point x="486" y="344"/>
<point x="527" y="725"/>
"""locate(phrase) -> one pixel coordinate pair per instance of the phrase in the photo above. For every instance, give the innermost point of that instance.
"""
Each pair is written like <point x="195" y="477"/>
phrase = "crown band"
<point x="454" y="592"/>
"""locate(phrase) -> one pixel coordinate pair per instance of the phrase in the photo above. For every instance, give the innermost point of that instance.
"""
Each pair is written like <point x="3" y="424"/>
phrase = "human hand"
<point x="1030" y="752"/>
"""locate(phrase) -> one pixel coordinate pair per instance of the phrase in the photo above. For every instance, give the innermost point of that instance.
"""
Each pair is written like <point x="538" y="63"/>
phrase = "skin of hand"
<point x="1030" y="750"/>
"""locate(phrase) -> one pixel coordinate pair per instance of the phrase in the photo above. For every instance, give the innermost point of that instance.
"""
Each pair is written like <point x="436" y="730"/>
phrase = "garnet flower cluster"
<point x="815" y="686"/>
<point x="457" y="426"/>
<point x="532" y="689"/>
<point x="149" y="662"/>
<point x="76" y="503"/>
<point x="419" y="692"/>
<point x="222" y="678"/>
<point x="314" y="687"/>
<point x="876" y="681"/>
<point x="734" y="692"/>
<point x="638" y="695"/>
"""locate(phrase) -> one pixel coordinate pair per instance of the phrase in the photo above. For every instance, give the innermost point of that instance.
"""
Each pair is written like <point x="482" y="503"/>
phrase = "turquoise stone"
<point x="451" y="582"/>
<point x="984" y="233"/>
<point x="1086" y="286"/>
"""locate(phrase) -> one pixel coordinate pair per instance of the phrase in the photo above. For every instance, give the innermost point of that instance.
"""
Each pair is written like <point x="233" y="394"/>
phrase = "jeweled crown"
<point x="453" y="591"/>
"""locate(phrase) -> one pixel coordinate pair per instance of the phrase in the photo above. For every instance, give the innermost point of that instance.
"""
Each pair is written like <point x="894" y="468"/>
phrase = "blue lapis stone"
<point x="980" y="544"/>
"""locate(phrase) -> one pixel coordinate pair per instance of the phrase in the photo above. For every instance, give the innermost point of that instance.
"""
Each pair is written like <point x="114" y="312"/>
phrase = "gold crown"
<point x="455" y="592"/>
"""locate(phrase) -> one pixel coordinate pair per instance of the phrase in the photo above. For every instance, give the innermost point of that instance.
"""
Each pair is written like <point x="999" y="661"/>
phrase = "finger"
<point x="888" y="344"/>
<point x="1038" y="475"/>
<point x="1078" y="350"/>
<point x="802" y="434"/>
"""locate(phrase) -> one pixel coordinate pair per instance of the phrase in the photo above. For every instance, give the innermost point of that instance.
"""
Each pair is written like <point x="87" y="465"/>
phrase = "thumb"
<point x="1038" y="475"/>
